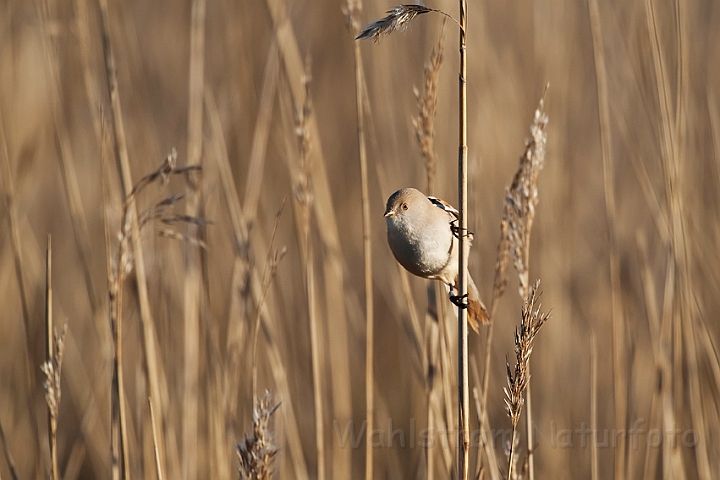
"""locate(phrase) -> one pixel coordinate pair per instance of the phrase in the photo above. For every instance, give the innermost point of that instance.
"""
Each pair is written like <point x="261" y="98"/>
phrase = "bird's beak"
<point x="389" y="213"/>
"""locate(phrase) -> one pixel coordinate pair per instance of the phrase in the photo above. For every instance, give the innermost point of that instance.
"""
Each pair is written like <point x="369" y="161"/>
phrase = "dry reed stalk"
<point x="242" y="273"/>
<point x="90" y="77"/>
<point x="594" y="464"/>
<point x="262" y="132"/>
<point x="672" y="373"/>
<point x="52" y="368"/>
<point x="714" y="118"/>
<point x="397" y="19"/>
<point x="671" y="458"/>
<point x="673" y="142"/>
<point x="316" y="362"/>
<point x="11" y="206"/>
<point x="491" y="467"/>
<point x="241" y="219"/>
<point x="436" y="364"/>
<point x="20" y="265"/>
<point x="447" y="401"/>
<point x="8" y="455"/>
<point x="156" y="450"/>
<point x="521" y="200"/>
<point x="518" y="379"/>
<point x="242" y="269"/>
<point x="651" y="198"/>
<point x="424" y="124"/>
<point x="619" y="343"/>
<point x="192" y="283"/>
<point x="339" y="299"/>
<point x="659" y="352"/>
<point x="463" y="447"/>
<point x="75" y="461"/>
<point x="292" y="432"/>
<point x="256" y="452"/>
<point x="529" y="433"/>
<point x="658" y="341"/>
<point x="353" y="10"/>
<point x="303" y="200"/>
<point x="54" y="348"/>
<point x="66" y="158"/>
<point x="119" y="268"/>
<point x="156" y="376"/>
<point x="490" y="453"/>
<point x="537" y="161"/>
<point x="430" y="363"/>
<point x="271" y="263"/>
<point x="651" y="454"/>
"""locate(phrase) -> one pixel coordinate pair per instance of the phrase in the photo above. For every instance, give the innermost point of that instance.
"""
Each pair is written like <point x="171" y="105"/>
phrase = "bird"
<point x="423" y="235"/>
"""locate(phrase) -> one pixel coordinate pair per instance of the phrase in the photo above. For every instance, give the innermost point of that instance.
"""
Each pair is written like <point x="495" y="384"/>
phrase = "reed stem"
<point x="463" y="380"/>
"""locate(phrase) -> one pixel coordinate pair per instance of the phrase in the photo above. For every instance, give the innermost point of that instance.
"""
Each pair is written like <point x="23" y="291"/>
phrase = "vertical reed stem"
<point x="317" y="371"/>
<point x="367" y="254"/>
<point x="463" y="381"/>
<point x="50" y="356"/>
<point x="158" y="467"/>
<point x="620" y="387"/>
<point x="595" y="469"/>
<point x="529" y="430"/>
<point x="192" y="284"/>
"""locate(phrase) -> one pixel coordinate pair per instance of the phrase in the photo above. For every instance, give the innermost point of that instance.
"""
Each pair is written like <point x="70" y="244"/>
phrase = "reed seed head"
<point x="397" y="19"/>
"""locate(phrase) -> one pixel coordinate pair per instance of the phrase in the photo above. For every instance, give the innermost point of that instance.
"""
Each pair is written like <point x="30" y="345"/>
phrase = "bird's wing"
<point x="442" y="204"/>
<point x="445" y="206"/>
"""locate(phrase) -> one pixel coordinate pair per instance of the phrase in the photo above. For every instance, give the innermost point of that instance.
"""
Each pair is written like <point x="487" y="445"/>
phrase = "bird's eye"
<point x="404" y="206"/>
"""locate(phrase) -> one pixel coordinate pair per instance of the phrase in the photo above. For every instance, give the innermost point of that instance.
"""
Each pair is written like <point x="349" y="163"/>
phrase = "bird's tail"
<point x="477" y="313"/>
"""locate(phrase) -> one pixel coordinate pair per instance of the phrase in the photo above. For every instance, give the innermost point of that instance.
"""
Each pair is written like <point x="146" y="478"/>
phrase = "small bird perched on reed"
<point x="424" y="236"/>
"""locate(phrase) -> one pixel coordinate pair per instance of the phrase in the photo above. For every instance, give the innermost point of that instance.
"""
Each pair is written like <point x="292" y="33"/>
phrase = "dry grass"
<point x="93" y="95"/>
<point x="256" y="451"/>
<point x="353" y="10"/>
<point x="518" y="379"/>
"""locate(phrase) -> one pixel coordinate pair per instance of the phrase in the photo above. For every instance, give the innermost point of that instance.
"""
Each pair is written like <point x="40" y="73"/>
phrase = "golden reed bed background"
<point x="652" y="208"/>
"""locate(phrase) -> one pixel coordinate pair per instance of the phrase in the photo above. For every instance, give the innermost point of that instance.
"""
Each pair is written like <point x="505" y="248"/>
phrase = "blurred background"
<point x="625" y="239"/>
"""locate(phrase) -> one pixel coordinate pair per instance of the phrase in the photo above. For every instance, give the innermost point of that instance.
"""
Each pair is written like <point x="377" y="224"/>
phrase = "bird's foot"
<point x="455" y="229"/>
<point x="460" y="301"/>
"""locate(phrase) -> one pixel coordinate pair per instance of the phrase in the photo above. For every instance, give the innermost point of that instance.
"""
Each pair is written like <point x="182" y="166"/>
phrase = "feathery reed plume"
<point x="119" y="268"/>
<point x="424" y="123"/>
<point x="518" y="379"/>
<point x="397" y="19"/>
<point x="257" y="450"/>
<point x="521" y="199"/>
<point x="160" y="211"/>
